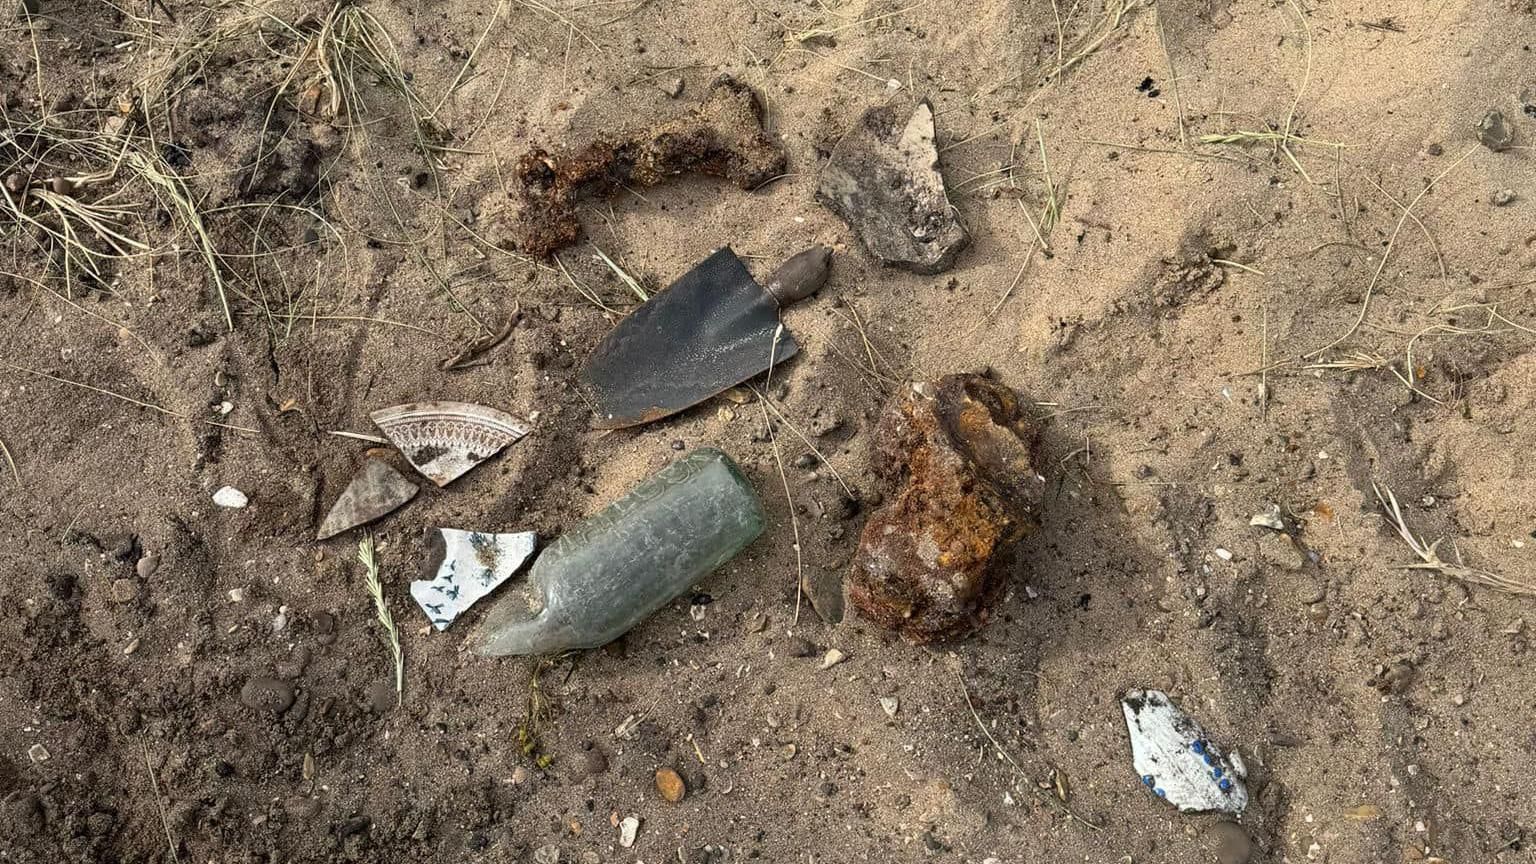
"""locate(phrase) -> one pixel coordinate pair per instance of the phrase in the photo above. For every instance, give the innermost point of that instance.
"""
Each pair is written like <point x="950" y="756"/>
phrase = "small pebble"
<point x="125" y="590"/>
<point x="670" y="784"/>
<point x="832" y="658"/>
<point x="236" y="595"/>
<point x="1229" y="842"/>
<point x="1504" y="197"/>
<point x="1223" y="554"/>
<point x="520" y="775"/>
<point x="628" y="830"/>
<point x="1494" y="132"/>
<point x="132" y="646"/>
<point x="229" y="496"/>
<point x="890" y="705"/>
<point x="673" y="88"/>
<point x="38" y="753"/>
<point x="147" y="566"/>
<point x="267" y="694"/>
<point x="547" y="854"/>
<point x="1268" y="519"/>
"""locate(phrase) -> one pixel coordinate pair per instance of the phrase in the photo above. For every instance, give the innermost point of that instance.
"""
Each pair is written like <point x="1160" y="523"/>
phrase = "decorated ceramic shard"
<point x="463" y="566"/>
<point x="1175" y="759"/>
<point x="443" y="440"/>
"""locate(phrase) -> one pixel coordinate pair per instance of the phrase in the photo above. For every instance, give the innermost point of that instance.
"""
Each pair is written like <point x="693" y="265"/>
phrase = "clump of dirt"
<point x="1192" y="273"/>
<point x="723" y="136"/>
<point x="961" y="459"/>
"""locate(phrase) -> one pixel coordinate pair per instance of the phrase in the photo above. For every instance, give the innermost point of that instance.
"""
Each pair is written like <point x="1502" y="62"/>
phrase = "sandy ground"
<point x="1384" y="712"/>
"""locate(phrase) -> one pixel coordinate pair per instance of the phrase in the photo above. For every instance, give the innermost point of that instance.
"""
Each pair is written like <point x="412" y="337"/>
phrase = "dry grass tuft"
<point x="1429" y="558"/>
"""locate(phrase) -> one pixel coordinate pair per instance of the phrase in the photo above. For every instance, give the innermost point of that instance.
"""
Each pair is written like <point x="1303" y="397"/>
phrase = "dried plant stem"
<point x="1429" y="558"/>
<point x="366" y="555"/>
<point x="1365" y="303"/>
<point x="1034" y="787"/>
<point x="154" y="787"/>
<point x="6" y="451"/>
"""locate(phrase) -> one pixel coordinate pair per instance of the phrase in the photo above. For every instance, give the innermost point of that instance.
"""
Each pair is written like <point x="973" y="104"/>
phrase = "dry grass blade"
<point x="366" y="554"/>
<point x="820" y="32"/>
<point x="129" y="399"/>
<point x="1034" y="788"/>
<point x="1115" y="12"/>
<point x="789" y="498"/>
<point x="623" y="276"/>
<point x="1429" y="558"/>
<point x="61" y="169"/>
<point x="174" y="187"/>
<point x="11" y="462"/>
<point x="584" y="291"/>
<point x="1365" y="302"/>
<point x="154" y="788"/>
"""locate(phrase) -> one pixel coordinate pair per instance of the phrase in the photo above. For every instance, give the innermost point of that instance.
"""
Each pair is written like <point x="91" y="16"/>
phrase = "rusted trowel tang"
<point x="710" y="330"/>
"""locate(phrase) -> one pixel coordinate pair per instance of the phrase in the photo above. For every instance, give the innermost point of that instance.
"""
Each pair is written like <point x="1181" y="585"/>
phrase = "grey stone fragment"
<point x="376" y="491"/>
<point x="1494" y="132"/>
<point x="884" y="181"/>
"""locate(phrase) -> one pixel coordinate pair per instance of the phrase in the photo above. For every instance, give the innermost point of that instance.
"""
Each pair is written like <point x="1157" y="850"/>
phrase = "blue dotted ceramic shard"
<point x="1172" y="755"/>
<point x="464" y="566"/>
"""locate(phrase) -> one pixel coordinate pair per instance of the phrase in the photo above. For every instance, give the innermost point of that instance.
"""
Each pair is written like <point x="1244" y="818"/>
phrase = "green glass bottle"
<point x="607" y="574"/>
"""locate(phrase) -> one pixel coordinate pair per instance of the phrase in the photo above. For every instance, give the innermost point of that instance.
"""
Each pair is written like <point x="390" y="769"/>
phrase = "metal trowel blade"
<point x="709" y="331"/>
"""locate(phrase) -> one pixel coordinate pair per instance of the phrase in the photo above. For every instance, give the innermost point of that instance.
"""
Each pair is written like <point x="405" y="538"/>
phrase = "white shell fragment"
<point x="628" y="829"/>
<point x="229" y="496"/>
<point x="1176" y="761"/>
<point x="443" y="440"/>
<point x="464" y="566"/>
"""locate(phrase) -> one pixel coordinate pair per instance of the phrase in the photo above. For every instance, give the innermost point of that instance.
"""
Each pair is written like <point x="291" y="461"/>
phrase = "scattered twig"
<point x="6" y="451"/>
<point x="1365" y="302"/>
<point x="365" y="554"/>
<point x="1033" y="787"/>
<point x="154" y="786"/>
<point x="1429" y="558"/>
<point x="476" y="349"/>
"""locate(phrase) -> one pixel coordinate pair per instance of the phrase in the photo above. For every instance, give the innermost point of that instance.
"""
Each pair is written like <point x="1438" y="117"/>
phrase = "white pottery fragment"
<point x="1175" y="759"/>
<point x="464" y="566"/>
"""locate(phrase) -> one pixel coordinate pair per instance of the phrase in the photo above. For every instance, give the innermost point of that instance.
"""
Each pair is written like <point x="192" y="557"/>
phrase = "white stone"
<point x="229" y="496"/>
<point x="628" y="830"/>
<point x="833" y="658"/>
<point x="889" y="704"/>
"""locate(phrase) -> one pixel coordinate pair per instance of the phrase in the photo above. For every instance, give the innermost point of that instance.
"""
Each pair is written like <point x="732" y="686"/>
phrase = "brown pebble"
<point x="801" y="276"/>
<point x="147" y="566"/>
<point x="125" y="590"/>
<point x="267" y="694"/>
<point x="670" y="784"/>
